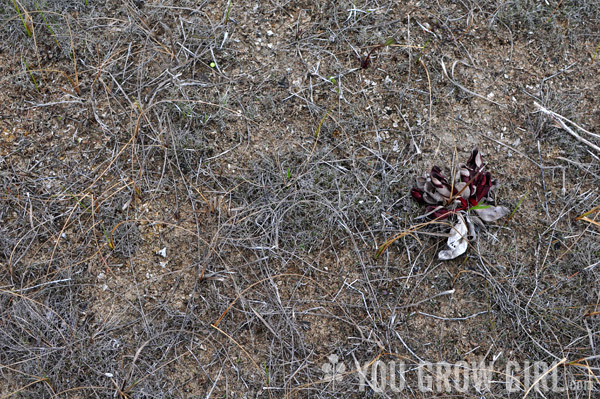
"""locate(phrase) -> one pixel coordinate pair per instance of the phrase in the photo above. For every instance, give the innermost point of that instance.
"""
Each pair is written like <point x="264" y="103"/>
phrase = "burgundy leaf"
<point x="441" y="213"/>
<point x="437" y="178"/>
<point x="417" y="194"/>
<point x="470" y="188"/>
<point x="484" y="185"/>
<point x="475" y="162"/>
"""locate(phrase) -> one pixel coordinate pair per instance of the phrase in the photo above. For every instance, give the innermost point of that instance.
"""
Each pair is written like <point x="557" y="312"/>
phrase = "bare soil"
<point x="192" y="195"/>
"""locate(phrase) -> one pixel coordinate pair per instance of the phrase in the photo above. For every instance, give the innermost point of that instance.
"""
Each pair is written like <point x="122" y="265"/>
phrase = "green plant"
<point x="37" y="6"/>
<point x="109" y="239"/>
<point x="228" y="10"/>
<point x="516" y="207"/>
<point x="423" y="50"/>
<point x="30" y="74"/>
<point x="267" y="373"/>
<point x="364" y="64"/>
<point x="25" y="18"/>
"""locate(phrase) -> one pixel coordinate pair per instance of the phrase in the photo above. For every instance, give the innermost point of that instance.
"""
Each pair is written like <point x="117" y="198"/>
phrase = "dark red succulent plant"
<point x="468" y="191"/>
<point x="471" y="186"/>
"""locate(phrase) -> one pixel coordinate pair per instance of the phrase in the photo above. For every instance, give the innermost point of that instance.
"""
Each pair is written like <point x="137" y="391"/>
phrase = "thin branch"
<point x="560" y="120"/>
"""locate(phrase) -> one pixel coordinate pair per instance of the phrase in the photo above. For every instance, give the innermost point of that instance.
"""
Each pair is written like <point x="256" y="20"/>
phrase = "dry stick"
<point x="359" y="369"/>
<point x="510" y="148"/>
<point x="584" y="217"/>
<point x="152" y="221"/>
<point x="137" y="128"/>
<point x="216" y="323"/>
<point x="265" y="323"/>
<point x="135" y="358"/>
<point x="430" y="96"/>
<point x="43" y="284"/>
<point x="77" y="89"/>
<point x="592" y="313"/>
<point x="543" y="180"/>
<point x="75" y="389"/>
<point x="579" y="165"/>
<point x="589" y="220"/>
<point x="468" y="26"/>
<point x="451" y="79"/>
<point x="24" y="297"/>
<point x="40" y="70"/>
<point x="593" y="210"/>
<point x="453" y="318"/>
<point x="410" y="305"/>
<point x="545" y="110"/>
<point x="137" y="382"/>
<point x="563" y="360"/>
<point x="62" y="230"/>
<point x="14" y="393"/>
<point x="410" y="231"/>
<point x="560" y="120"/>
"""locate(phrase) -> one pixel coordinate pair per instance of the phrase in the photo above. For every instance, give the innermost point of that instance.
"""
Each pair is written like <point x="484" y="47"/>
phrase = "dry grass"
<point x="251" y="143"/>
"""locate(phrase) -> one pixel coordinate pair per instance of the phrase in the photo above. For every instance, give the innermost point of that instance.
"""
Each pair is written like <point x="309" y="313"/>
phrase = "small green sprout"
<point x="30" y="74"/>
<point x="25" y="18"/>
<point x="228" y="10"/>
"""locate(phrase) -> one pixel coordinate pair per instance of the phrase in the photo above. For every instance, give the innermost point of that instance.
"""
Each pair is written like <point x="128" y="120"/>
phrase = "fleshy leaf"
<point x="417" y="194"/>
<point x="483" y="183"/>
<point x="433" y="197"/>
<point x="477" y="221"/>
<point x="463" y="174"/>
<point x="475" y="162"/>
<point x="437" y="212"/>
<point x="492" y="213"/>
<point x="463" y="189"/>
<point x="457" y="242"/>
<point x="471" y="186"/>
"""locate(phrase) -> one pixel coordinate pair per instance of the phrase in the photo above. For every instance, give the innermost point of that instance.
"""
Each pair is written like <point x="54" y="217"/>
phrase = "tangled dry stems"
<point x="128" y="156"/>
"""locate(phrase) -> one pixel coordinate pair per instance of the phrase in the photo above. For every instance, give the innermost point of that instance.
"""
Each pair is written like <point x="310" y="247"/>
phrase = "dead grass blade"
<point x="410" y="231"/>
